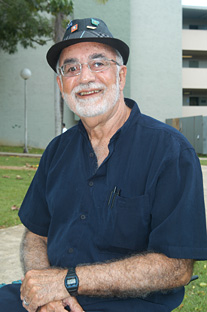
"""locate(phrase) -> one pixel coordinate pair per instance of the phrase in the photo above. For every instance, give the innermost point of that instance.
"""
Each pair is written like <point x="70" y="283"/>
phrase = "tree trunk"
<point x="59" y="32"/>
<point x="57" y="110"/>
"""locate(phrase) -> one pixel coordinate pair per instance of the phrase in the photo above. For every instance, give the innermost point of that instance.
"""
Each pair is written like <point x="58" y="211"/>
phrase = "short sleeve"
<point x="34" y="212"/>
<point x="178" y="227"/>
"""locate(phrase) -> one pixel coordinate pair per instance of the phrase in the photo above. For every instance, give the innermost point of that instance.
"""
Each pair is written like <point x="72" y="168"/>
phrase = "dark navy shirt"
<point x="158" y="204"/>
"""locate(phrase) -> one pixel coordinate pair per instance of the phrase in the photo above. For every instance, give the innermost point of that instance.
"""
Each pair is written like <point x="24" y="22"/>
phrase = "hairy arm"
<point x="33" y="252"/>
<point x="36" y="266"/>
<point x="136" y="276"/>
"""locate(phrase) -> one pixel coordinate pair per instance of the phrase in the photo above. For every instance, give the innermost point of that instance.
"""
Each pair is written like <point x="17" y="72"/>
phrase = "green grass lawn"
<point x="13" y="187"/>
<point x="19" y="149"/>
<point x="14" y="184"/>
<point x="203" y="162"/>
<point x="196" y="292"/>
<point x="19" y="161"/>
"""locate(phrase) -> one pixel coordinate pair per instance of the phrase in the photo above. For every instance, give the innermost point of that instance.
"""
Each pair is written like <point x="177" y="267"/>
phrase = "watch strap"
<point x="72" y="282"/>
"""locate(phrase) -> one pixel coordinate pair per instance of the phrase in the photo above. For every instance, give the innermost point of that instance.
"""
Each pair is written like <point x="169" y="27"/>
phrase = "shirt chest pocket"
<point x="125" y="227"/>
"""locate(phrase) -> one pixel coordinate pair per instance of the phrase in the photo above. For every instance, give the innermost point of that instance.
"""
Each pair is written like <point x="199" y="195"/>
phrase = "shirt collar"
<point x="133" y="117"/>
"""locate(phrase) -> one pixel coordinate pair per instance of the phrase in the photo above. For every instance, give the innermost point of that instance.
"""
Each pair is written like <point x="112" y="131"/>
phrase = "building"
<point x="194" y="47"/>
<point x="151" y="28"/>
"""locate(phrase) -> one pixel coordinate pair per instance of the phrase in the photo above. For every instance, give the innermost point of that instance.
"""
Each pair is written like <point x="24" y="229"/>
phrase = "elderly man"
<point x="115" y="215"/>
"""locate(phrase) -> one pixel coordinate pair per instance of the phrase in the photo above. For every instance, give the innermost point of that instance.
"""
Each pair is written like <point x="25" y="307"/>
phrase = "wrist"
<point x="71" y="282"/>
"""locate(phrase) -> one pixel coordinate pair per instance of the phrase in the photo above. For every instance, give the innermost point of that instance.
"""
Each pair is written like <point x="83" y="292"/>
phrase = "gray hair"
<point x="119" y="60"/>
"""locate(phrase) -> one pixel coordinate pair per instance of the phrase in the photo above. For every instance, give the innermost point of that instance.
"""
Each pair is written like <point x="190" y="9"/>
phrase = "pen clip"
<point x="113" y="195"/>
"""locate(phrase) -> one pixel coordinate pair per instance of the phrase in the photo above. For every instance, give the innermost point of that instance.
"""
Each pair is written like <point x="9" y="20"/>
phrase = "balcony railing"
<point x="194" y="78"/>
<point x="194" y="40"/>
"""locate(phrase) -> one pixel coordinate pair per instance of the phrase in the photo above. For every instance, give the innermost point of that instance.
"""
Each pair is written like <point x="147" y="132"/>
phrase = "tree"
<point x="29" y="22"/>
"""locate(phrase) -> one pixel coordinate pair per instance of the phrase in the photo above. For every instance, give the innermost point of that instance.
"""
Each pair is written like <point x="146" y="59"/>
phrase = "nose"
<point x="86" y="74"/>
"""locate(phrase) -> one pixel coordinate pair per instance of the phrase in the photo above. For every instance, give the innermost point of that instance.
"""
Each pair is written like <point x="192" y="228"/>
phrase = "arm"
<point x="142" y="273"/>
<point x="33" y="252"/>
<point x="136" y="276"/>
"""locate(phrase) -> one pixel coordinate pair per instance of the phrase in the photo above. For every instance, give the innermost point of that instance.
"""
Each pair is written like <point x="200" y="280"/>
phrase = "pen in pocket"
<point x="113" y="195"/>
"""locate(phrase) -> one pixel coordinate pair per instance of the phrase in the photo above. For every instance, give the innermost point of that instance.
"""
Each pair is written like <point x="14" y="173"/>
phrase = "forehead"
<point x="84" y="50"/>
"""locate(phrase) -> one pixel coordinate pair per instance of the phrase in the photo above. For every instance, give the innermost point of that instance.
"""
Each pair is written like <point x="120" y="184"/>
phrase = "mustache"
<point x="88" y="86"/>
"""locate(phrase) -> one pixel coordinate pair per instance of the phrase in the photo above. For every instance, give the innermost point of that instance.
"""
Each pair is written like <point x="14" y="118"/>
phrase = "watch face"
<point x="71" y="282"/>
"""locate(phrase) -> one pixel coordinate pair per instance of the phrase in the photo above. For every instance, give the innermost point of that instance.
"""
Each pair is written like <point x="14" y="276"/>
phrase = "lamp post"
<point x="25" y="74"/>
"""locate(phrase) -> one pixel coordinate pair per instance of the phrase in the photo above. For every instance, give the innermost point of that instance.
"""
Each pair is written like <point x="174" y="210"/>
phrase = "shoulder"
<point x="57" y="146"/>
<point x="163" y="133"/>
<point x="156" y="137"/>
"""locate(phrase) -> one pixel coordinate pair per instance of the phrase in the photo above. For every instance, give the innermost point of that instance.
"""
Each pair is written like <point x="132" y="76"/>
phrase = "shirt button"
<point x="83" y="217"/>
<point x="91" y="155"/>
<point x="90" y="183"/>
<point x="70" y="250"/>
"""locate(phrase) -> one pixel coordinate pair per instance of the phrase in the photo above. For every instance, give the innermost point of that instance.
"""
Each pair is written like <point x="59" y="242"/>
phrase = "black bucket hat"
<point x="86" y="30"/>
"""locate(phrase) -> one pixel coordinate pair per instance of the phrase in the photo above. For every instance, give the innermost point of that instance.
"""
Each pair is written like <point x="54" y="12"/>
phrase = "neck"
<point x="100" y="129"/>
<point x="106" y="125"/>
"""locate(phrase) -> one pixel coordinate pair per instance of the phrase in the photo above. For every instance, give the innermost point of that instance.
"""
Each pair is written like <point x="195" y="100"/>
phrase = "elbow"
<point x="187" y="273"/>
<point x="185" y="280"/>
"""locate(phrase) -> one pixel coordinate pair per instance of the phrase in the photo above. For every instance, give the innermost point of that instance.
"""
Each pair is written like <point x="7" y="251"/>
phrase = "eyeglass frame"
<point x="60" y="69"/>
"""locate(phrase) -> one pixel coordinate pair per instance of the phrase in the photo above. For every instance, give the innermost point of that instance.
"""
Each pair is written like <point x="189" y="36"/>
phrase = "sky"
<point x="195" y="2"/>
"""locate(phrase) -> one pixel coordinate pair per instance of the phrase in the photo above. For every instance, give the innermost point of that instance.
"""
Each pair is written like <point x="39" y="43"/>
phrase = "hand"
<point x="73" y="304"/>
<point x="58" y="306"/>
<point x="55" y="306"/>
<point x="41" y="287"/>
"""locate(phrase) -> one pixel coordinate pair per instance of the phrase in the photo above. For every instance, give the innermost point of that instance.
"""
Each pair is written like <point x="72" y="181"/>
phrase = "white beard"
<point x="95" y="106"/>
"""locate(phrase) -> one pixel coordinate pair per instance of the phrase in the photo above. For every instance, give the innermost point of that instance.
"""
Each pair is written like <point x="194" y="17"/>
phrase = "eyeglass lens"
<point x="73" y="69"/>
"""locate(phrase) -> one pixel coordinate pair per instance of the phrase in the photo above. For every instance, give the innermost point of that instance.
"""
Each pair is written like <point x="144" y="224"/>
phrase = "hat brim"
<point x="54" y="52"/>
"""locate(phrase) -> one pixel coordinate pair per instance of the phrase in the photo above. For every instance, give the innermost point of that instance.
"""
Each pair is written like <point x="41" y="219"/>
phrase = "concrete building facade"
<point x="194" y="46"/>
<point x="151" y="28"/>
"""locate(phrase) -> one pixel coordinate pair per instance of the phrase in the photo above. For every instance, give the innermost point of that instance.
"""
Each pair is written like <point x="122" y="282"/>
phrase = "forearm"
<point x="33" y="252"/>
<point x="136" y="276"/>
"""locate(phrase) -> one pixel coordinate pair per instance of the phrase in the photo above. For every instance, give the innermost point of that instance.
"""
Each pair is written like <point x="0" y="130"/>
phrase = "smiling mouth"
<point x="91" y="92"/>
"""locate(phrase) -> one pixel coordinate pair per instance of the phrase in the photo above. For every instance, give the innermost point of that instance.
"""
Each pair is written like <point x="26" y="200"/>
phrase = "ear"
<point x="60" y="84"/>
<point x="122" y="77"/>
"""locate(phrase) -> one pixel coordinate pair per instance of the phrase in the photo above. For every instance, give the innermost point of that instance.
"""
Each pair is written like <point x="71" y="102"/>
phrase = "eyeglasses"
<point x="74" y="68"/>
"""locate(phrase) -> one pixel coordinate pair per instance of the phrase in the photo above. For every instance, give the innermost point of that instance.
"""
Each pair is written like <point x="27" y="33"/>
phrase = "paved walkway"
<point x="10" y="268"/>
<point x="20" y="154"/>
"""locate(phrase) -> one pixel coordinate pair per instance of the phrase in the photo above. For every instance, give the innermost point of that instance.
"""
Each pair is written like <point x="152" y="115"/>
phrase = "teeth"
<point x="89" y="92"/>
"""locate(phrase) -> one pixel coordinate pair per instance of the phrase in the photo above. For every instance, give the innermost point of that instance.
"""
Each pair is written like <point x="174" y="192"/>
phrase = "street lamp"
<point x="25" y="74"/>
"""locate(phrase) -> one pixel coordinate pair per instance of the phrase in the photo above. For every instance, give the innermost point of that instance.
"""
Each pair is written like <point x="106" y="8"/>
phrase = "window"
<point x="193" y="26"/>
<point x="193" y="64"/>
<point x="200" y="27"/>
<point x="194" y="101"/>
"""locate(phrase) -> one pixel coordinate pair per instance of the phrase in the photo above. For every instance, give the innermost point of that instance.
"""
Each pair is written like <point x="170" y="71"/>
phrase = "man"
<point x="63" y="127"/>
<point x="115" y="214"/>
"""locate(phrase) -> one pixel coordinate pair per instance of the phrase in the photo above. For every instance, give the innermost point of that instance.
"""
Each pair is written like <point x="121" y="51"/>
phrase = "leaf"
<point x="18" y="177"/>
<point x="28" y="165"/>
<point x="24" y="22"/>
<point x="6" y="176"/>
<point x="203" y="284"/>
<point x="14" y="207"/>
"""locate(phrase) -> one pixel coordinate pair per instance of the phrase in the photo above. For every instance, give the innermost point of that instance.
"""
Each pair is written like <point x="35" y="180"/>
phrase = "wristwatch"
<point x="72" y="282"/>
